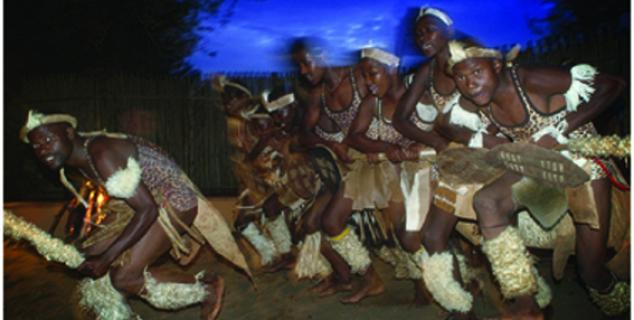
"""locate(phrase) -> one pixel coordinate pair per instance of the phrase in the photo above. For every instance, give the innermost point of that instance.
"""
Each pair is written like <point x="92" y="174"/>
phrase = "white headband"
<point x="427" y="11"/>
<point x="36" y="119"/>
<point x="278" y="103"/>
<point x="459" y="52"/>
<point x="380" y="56"/>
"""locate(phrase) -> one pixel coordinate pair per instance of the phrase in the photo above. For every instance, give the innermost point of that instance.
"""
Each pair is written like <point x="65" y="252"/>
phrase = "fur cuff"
<point x="581" y="86"/>
<point x="123" y="182"/>
<point x="262" y="244"/>
<point x="171" y="295"/>
<point x="101" y="299"/>
<point x="543" y="295"/>
<point x="511" y="263"/>
<point x="310" y="262"/>
<point x="438" y="277"/>
<point x="280" y="234"/>
<point x="348" y="245"/>
<point x="614" y="302"/>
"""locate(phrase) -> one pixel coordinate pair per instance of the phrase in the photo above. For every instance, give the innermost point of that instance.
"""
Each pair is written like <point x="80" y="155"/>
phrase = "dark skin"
<point x="337" y="87"/>
<point x="485" y="82"/>
<point x="432" y="36"/>
<point x="58" y="145"/>
<point x="336" y="84"/>
<point x="384" y="83"/>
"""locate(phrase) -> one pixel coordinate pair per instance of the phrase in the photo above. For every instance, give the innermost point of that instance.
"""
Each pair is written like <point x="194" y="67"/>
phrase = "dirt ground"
<point x="37" y="289"/>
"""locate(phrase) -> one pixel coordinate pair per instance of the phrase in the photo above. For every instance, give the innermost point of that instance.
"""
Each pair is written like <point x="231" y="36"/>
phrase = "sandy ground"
<point x="36" y="289"/>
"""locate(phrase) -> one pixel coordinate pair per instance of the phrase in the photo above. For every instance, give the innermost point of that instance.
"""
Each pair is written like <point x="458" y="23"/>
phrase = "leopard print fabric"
<point x="537" y="120"/>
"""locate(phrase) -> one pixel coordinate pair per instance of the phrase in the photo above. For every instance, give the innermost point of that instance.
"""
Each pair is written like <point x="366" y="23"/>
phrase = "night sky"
<point x="252" y="35"/>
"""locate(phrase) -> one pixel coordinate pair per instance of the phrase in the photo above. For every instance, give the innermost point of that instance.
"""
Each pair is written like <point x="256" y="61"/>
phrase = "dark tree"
<point x="91" y="36"/>
<point x="585" y="17"/>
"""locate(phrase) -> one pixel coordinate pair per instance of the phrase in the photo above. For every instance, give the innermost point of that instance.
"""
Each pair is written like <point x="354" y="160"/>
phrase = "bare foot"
<point x="372" y="285"/>
<point x="323" y="284"/>
<point x="286" y="261"/>
<point x="422" y="297"/>
<point x="211" y="307"/>
<point x="330" y="285"/>
<point x="336" y="287"/>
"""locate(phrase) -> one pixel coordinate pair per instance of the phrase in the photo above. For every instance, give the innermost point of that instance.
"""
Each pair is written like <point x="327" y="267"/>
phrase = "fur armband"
<point x="466" y="119"/>
<point x="123" y="183"/>
<point x="426" y="112"/>
<point x="581" y="85"/>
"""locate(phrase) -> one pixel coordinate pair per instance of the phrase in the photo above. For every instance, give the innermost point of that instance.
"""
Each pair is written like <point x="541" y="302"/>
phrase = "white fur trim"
<point x="533" y="234"/>
<point x="511" y="263"/>
<point x="172" y="295"/>
<point x="461" y="117"/>
<point x="544" y="295"/>
<point x="352" y="250"/>
<point x="280" y="234"/>
<point x="100" y="298"/>
<point x="426" y="112"/>
<point x="476" y="141"/>
<point x="263" y="245"/>
<point x="438" y="277"/>
<point x="123" y="182"/>
<point x="581" y="85"/>
<point x="310" y="262"/>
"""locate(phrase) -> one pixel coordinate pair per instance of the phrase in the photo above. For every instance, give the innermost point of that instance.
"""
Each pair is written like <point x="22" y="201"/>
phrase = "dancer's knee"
<point x="410" y="241"/>
<point x="490" y="208"/>
<point x="435" y="240"/>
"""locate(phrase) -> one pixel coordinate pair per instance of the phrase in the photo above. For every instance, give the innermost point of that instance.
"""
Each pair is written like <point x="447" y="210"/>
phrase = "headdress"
<point x="220" y="82"/>
<point x="36" y="119"/>
<point x="278" y="103"/>
<point x="442" y="16"/>
<point x="459" y="52"/>
<point x="380" y="56"/>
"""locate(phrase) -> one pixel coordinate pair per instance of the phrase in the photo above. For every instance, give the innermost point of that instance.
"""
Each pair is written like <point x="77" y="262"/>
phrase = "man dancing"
<point x="166" y="211"/>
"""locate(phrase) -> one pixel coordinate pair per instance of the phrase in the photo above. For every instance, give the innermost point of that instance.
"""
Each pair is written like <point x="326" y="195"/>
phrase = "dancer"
<point x="545" y="106"/>
<point x="371" y="133"/>
<point x="332" y="101"/>
<point x="162" y="206"/>
<point x="431" y="98"/>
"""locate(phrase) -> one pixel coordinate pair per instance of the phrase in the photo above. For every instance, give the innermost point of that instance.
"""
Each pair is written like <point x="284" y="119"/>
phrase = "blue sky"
<point x="253" y="35"/>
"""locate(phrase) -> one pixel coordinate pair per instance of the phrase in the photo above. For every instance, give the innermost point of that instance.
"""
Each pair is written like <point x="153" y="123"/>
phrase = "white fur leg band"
<point x="310" y="262"/>
<point x="101" y="299"/>
<point x="280" y="234"/>
<point x="543" y="295"/>
<point x="123" y="183"/>
<point x="511" y="263"/>
<point x="264" y="246"/>
<point x="170" y="295"/>
<point x="438" y="277"/>
<point x="348" y="245"/>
